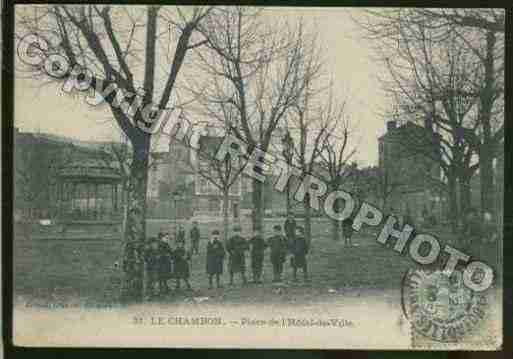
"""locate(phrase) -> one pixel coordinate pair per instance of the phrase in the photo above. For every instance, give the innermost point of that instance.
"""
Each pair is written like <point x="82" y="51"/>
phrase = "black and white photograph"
<point x="258" y="177"/>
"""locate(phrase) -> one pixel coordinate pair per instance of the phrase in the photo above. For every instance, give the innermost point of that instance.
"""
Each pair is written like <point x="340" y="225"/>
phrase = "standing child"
<point x="236" y="247"/>
<point x="290" y="227"/>
<point x="181" y="234"/>
<point x="299" y="249"/>
<point x="278" y="246"/>
<point x="195" y="237"/>
<point x="215" y="259"/>
<point x="181" y="259"/>
<point x="164" y="262"/>
<point x="258" y="246"/>
<point x="347" y="230"/>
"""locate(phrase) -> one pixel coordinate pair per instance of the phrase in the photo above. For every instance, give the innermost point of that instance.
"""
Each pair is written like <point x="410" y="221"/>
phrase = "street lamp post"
<point x="176" y="197"/>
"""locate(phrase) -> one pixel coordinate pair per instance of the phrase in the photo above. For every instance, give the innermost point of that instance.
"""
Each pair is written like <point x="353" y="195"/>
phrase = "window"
<point x="213" y="205"/>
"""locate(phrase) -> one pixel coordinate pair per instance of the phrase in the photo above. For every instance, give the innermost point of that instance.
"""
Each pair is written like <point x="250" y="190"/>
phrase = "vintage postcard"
<point x="252" y="177"/>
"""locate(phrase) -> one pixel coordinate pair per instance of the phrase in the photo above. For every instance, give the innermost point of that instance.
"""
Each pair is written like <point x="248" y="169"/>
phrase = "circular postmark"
<point x="440" y="306"/>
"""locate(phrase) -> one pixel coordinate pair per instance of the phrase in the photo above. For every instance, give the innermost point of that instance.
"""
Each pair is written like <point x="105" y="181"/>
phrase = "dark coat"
<point x="151" y="257"/>
<point x="299" y="248"/>
<point x="236" y="247"/>
<point x="290" y="228"/>
<point x="164" y="263"/>
<point x="347" y="227"/>
<point x="278" y="246"/>
<point x="194" y="234"/>
<point x="181" y="265"/>
<point x="215" y="257"/>
<point x="258" y="246"/>
<point x="180" y="237"/>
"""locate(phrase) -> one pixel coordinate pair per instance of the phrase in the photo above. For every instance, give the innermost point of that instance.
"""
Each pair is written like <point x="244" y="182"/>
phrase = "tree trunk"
<point x="225" y="215"/>
<point x="289" y="204"/>
<point x="464" y="195"/>
<point x="453" y="203"/>
<point x="135" y="232"/>
<point x="487" y="180"/>
<point x="258" y="205"/>
<point x="486" y="154"/>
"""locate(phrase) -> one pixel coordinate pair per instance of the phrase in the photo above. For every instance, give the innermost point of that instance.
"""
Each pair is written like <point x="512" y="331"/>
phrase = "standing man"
<point x="299" y="249"/>
<point x="347" y="231"/>
<point x="278" y="251"/>
<point x="258" y="246"/>
<point x="195" y="237"/>
<point x="290" y="227"/>
<point x="236" y="247"/>
<point x="180" y="237"/>
<point x="215" y="259"/>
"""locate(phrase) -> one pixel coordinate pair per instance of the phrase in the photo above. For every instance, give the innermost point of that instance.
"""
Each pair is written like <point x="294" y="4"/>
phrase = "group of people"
<point x="167" y="260"/>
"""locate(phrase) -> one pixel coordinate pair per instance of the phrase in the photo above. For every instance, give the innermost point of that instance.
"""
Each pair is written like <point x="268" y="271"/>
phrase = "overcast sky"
<point x="48" y="109"/>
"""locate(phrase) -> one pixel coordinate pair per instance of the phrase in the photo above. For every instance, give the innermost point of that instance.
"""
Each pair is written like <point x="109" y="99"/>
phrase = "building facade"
<point x="181" y="183"/>
<point x="409" y="171"/>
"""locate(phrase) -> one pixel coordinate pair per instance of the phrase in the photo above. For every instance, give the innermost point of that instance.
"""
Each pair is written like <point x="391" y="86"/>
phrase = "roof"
<point x="64" y="140"/>
<point x="90" y="169"/>
<point x="414" y="132"/>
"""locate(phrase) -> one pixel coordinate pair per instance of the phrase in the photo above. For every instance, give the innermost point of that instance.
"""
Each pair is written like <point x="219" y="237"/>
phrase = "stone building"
<point x="175" y="180"/>
<point x="408" y="161"/>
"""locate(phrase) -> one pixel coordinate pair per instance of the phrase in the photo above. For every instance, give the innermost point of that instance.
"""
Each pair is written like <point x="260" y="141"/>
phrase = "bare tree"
<point x="482" y="31"/>
<point x="456" y="55"/>
<point x="224" y="175"/>
<point x="458" y="19"/>
<point x="310" y="126"/>
<point x="431" y="80"/>
<point x="334" y="150"/>
<point x="120" y="47"/>
<point x="255" y="66"/>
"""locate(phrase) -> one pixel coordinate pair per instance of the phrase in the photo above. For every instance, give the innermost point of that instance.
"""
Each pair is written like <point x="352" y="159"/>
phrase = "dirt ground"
<point x="61" y="270"/>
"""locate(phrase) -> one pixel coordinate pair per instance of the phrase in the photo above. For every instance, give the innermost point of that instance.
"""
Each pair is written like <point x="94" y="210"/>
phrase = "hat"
<point x="162" y="234"/>
<point x="215" y="232"/>
<point x="277" y="227"/>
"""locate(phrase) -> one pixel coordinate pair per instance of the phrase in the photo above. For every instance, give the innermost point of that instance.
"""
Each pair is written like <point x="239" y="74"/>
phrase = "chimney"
<point x="391" y="125"/>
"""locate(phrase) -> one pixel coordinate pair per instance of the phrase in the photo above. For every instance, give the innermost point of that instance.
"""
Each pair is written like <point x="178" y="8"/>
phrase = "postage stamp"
<point x="257" y="177"/>
<point x="441" y="308"/>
